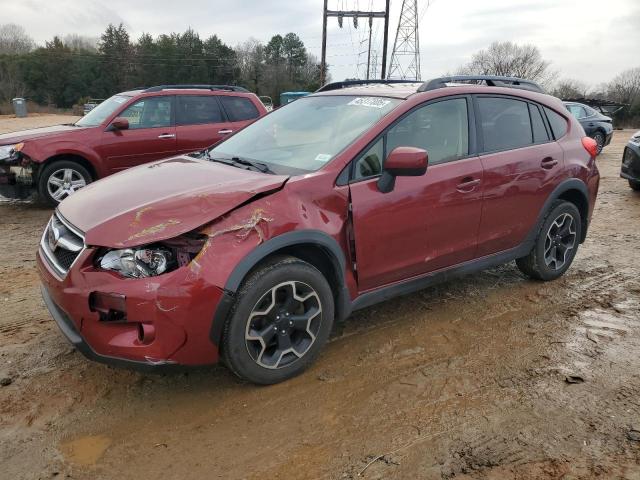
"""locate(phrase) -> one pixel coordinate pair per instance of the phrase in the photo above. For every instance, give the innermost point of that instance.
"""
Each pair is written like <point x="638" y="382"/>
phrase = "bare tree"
<point x="14" y="40"/>
<point x="79" y="42"/>
<point x="625" y="88"/>
<point x="509" y="59"/>
<point x="570" y="88"/>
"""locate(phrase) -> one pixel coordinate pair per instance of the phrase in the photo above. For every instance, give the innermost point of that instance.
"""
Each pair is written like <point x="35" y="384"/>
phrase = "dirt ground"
<point x="464" y="380"/>
<point x="10" y="123"/>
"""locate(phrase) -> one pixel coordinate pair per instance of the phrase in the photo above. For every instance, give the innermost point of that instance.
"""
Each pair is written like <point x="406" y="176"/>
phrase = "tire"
<point x="556" y="233"/>
<point x="599" y="138"/>
<point x="269" y="301"/>
<point x="635" y="185"/>
<point x="60" y="179"/>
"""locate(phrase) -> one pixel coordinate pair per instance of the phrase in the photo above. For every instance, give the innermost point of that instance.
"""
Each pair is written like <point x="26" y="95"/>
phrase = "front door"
<point x="426" y="223"/>
<point x="151" y="135"/>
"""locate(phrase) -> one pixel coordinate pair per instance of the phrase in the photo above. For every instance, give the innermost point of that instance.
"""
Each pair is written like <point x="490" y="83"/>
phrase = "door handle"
<point x="167" y="135"/>
<point x="468" y="184"/>
<point x="548" y="163"/>
<point x="225" y="132"/>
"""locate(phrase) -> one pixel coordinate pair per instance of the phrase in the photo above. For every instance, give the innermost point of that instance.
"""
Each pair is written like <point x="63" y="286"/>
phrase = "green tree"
<point x="294" y="53"/>
<point x="116" y="53"/>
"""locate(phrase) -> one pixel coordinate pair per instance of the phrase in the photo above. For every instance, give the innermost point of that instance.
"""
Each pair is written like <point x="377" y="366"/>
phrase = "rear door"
<point x="151" y="134"/>
<point x="200" y="122"/>
<point x="240" y="111"/>
<point x="522" y="164"/>
<point x="427" y="222"/>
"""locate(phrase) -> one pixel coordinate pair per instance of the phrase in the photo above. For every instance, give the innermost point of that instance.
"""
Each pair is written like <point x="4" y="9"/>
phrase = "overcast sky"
<point x="590" y="40"/>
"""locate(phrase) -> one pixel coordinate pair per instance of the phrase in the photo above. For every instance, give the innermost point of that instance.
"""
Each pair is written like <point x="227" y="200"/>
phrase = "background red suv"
<point x="125" y="130"/>
<point x="334" y="202"/>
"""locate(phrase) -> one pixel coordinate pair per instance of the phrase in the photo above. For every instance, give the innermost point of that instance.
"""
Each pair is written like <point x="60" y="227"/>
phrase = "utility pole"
<point x="385" y="41"/>
<point x="407" y="44"/>
<point x="355" y="14"/>
<point x="323" y="63"/>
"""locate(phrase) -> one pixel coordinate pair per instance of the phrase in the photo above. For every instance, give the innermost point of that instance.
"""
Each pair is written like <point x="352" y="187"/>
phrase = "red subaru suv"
<point x="339" y="200"/>
<point x="126" y="130"/>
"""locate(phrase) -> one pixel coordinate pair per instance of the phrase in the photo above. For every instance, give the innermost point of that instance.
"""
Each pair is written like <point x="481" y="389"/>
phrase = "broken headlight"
<point x="154" y="259"/>
<point x="138" y="262"/>
<point x="7" y="151"/>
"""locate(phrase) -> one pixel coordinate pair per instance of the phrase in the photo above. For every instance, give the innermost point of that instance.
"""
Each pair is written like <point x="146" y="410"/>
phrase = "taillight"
<point x="590" y="145"/>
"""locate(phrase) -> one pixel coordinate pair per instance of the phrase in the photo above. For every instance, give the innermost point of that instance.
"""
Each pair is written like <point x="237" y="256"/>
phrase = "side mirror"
<point x="119" y="123"/>
<point x="402" y="162"/>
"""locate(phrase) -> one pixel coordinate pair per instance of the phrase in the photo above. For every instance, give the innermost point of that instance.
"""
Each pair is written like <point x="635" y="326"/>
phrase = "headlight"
<point x="138" y="262"/>
<point x="636" y="136"/>
<point x="7" y="150"/>
<point x="153" y="259"/>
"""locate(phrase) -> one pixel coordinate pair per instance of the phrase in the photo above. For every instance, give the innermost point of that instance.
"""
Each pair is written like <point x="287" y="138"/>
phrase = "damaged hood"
<point x="161" y="200"/>
<point x="21" y="136"/>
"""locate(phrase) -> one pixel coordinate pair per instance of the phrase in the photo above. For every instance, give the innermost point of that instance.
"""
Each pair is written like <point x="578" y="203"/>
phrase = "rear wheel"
<point x="556" y="244"/>
<point x="599" y="138"/>
<point x="60" y="179"/>
<point x="635" y="185"/>
<point x="281" y="319"/>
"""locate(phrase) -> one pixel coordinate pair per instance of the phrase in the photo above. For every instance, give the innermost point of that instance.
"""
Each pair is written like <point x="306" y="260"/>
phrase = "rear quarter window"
<point x="557" y="122"/>
<point x="239" y="108"/>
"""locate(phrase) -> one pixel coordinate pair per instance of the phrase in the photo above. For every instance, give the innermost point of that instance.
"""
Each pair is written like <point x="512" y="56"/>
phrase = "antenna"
<point x="405" y="59"/>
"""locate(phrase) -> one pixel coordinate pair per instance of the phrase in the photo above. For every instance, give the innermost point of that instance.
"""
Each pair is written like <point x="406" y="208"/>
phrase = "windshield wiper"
<point x="238" y="161"/>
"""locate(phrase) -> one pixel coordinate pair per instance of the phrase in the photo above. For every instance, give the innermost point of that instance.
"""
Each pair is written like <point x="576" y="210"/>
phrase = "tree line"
<point x="65" y="71"/>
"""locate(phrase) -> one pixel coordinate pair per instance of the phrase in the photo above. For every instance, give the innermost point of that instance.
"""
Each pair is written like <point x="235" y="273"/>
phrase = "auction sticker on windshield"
<point x="373" y="102"/>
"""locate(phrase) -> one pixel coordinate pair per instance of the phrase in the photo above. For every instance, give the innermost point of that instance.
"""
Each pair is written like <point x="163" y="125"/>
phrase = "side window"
<point x="370" y="163"/>
<point x="557" y="122"/>
<point x="577" y="111"/>
<point x="540" y="134"/>
<point x="150" y="112"/>
<point x="505" y="123"/>
<point x="440" y="128"/>
<point x="239" y="108"/>
<point x="197" y="109"/>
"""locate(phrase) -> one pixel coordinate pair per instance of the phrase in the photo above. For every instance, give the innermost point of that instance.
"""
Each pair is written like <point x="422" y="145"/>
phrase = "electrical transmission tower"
<point x="405" y="59"/>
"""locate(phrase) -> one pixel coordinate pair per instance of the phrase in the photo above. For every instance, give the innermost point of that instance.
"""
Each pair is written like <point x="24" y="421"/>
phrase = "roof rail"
<point x="352" y="83"/>
<point x="229" y="88"/>
<point x="489" y="80"/>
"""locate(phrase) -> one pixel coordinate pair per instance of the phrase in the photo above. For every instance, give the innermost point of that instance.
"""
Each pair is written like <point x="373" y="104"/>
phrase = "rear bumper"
<point x="631" y="162"/>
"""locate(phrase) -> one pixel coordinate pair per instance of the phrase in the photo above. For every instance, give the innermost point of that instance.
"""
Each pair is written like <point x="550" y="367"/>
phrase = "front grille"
<point x="61" y="244"/>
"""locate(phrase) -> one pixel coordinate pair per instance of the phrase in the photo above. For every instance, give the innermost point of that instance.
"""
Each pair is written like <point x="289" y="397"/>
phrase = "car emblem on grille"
<point x="53" y="237"/>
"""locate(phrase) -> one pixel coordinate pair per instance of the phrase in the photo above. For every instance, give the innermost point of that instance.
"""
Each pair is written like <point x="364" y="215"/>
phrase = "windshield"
<point x="306" y="134"/>
<point x="100" y="113"/>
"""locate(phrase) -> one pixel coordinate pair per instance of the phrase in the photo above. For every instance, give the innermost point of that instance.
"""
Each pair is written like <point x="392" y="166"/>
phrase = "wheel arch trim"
<point x="253" y="258"/>
<point x="570" y="184"/>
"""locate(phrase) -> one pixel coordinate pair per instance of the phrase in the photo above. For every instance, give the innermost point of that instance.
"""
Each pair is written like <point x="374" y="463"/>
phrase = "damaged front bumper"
<point x="146" y="323"/>
<point x="16" y="177"/>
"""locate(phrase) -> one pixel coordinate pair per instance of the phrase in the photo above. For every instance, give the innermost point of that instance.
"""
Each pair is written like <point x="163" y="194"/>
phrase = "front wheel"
<point x="635" y="185"/>
<point x="281" y="319"/>
<point x="60" y="179"/>
<point x="556" y="244"/>
<point x="599" y="138"/>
